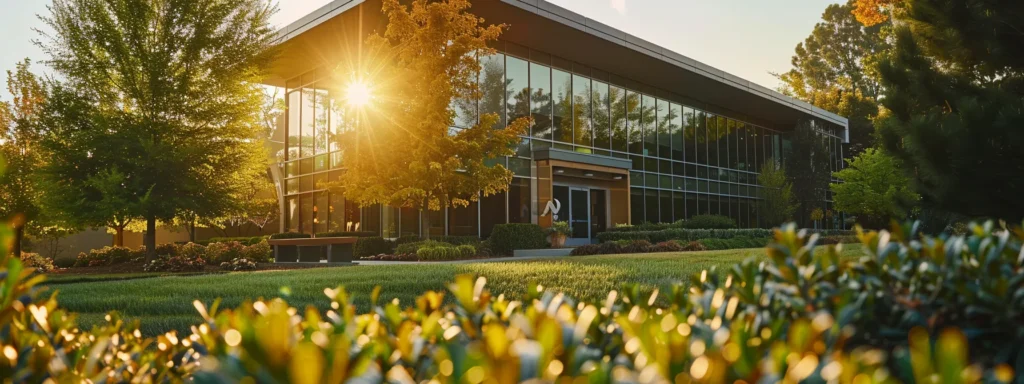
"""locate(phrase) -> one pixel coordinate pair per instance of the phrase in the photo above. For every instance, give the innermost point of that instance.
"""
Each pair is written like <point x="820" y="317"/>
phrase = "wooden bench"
<point x="338" y="250"/>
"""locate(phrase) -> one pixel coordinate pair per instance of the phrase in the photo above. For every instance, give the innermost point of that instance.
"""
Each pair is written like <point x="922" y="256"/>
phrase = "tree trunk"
<point x="149" y="240"/>
<point x="425" y="222"/>
<point x="19" y="235"/>
<point x="191" y="231"/>
<point x="119" y="236"/>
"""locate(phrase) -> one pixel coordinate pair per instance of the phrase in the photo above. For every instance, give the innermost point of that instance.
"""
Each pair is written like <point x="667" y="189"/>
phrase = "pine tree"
<point x="157" y="108"/>
<point x="955" y="104"/>
<point x="778" y="202"/>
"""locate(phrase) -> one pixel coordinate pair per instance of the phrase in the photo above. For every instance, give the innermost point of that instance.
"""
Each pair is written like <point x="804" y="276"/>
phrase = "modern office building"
<point x="625" y="131"/>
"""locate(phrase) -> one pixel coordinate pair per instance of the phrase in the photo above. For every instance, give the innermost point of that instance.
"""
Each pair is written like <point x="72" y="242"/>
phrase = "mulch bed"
<point x="137" y="268"/>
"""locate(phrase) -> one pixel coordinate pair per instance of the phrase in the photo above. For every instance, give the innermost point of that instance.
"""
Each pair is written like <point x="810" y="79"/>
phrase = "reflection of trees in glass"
<point x="602" y="119"/>
<point x="664" y="128"/>
<point x="808" y="166"/>
<point x="563" y="106"/>
<point x="619" y="106"/>
<point x="582" y="111"/>
<point x="635" y="115"/>
<point x="493" y="86"/>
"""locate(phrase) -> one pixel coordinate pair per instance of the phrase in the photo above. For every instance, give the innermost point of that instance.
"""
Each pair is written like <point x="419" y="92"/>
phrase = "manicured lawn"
<point x="165" y="302"/>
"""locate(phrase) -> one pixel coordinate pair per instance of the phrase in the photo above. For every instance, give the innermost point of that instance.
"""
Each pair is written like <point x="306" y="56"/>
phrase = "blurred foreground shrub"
<point x="912" y="309"/>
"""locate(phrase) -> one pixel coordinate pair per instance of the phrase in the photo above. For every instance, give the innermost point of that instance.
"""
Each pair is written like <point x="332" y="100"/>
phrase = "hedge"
<point x="683" y="234"/>
<point x="372" y="246"/>
<point x="347" y="234"/>
<point x="506" y="238"/>
<point x="250" y="240"/>
<point x="912" y="309"/>
<point x="290" y="235"/>
<point x="739" y="242"/>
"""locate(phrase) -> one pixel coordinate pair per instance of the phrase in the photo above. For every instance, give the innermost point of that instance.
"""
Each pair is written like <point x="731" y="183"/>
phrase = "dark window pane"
<point x="636" y="205"/>
<point x="712" y="140"/>
<point x="690" y="136"/>
<point x="389" y="217"/>
<point x="410" y="221"/>
<point x="320" y="210"/>
<point x="713" y="204"/>
<point x="651" y="207"/>
<point x="701" y="139"/>
<point x="751" y="145"/>
<point x="371" y="218"/>
<point x="702" y="204"/>
<point x="665" y="119"/>
<point x="462" y="221"/>
<point x="741" y="145"/>
<point x="725" y="128"/>
<point x="492" y="212"/>
<point x="691" y="205"/>
<point x="676" y="131"/>
<point x="562" y="94"/>
<point x="519" y="208"/>
<point x="678" y="206"/>
<point x="666" y="206"/>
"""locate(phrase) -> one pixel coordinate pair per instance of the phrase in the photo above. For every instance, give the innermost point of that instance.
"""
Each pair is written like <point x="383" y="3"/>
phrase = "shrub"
<point x="238" y="265"/>
<point x="709" y="222"/>
<point x="64" y="262"/>
<point x="260" y="252"/>
<point x="395" y="257"/>
<point x="683" y="235"/>
<point x="636" y="246"/>
<point x="445" y="251"/>
<point x="168" y="249"/>
<point x="347" y="234"/>
<point x="586" y="250"/>
<point x="457" y="240"/>
<point x="734" y="243"/>
<point x="105" y="256"/>
<point x="245" y="240"/>
<point x="666" y="246"/>
<point x="40" y="263"/>
<point x="912" y="309"/>
<point x="192" y="250"/>
<point x="414" y="247"/>
<point x="838" y="239"/>
<point x="217" y="253"/>
<point x="368" y="246"/>
<point x="175" y="264"/>
<point x="290" y="235"/>
<point x="509" y="237"/>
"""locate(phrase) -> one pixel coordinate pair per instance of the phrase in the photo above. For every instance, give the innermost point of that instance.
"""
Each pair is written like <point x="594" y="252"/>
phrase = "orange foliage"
<point x="872" y="12"/>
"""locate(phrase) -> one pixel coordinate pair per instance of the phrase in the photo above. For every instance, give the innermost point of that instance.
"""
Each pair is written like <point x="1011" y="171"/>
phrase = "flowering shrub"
<point x="37" y="261"/>
<point x="238" y="265"/>
<point x="912" y="309"/>
<point x="104" y="256"/>
<point x="637" y="246"/>
<point x="192" y="251"/>
<point x="175" y="264"/>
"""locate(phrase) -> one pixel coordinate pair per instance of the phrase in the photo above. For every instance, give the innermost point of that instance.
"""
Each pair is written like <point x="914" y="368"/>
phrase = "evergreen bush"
<point x="506" y="238"/>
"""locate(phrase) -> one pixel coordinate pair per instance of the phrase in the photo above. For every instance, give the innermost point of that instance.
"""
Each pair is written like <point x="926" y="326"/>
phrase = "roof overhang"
<point x="327" y="34"/>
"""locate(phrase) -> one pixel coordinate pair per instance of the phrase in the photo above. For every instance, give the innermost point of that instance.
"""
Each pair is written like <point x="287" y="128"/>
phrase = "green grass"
<point x="165" y="302"/>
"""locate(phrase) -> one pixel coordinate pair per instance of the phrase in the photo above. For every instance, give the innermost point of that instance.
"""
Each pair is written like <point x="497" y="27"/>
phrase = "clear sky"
<point x="748" y="38"/>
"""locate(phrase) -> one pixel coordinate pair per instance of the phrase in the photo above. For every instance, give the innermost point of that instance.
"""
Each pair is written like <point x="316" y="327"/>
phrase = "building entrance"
<point x="584" y="209"/>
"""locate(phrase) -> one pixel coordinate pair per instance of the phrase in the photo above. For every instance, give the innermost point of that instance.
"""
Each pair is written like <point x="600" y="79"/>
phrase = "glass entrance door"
<point x="579" y="213"/>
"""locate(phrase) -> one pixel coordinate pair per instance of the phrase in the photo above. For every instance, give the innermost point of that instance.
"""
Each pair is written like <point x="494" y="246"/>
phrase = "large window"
<point x="633" y="113"/>
<point x="540" y="100"/>
<point x="582" y="113"/>
<point x="648" y="119"/>
<point x="492" y="212"/>
<point x="519" y="207"/>
<point x="676" y="132"/>
<point x="617" y="99"/>
<point x="712" y="140"/>
<point x="492" y="87"/>
<point x="562" y="92"/>
<point x="462" y="221"/>
<point x="636" y="205"/>
<point x="517" y="77"/>
<point x="602" y="117"/>
<point x="664" y="128"/>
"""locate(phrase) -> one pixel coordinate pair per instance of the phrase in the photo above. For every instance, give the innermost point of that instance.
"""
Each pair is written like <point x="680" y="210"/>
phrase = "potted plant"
<point x="559" y="231"/>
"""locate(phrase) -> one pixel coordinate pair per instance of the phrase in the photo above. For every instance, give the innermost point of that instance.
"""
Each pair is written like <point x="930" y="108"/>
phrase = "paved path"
<point x="492" y="260"/>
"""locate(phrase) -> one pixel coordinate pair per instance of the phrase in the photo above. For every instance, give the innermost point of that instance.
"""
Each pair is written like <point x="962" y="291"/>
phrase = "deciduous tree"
<point x="807" y="165"/>
<point x="834" y="69"/>
<point x="874" y="189"/>
<point x="403" y="151"/>
<point x="778" y="203"/>
<point x="955" y="104"/>
<point x="163" y="92"/>
<point x="20" y="132"/>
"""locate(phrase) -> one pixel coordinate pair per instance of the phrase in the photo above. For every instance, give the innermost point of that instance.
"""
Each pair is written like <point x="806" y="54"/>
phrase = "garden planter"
<point x="286" y="253"/>
<point x="557" y="241"/>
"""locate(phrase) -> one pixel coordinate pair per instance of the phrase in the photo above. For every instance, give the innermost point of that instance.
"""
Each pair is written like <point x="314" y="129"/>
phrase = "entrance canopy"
<point x="606" y="178"/>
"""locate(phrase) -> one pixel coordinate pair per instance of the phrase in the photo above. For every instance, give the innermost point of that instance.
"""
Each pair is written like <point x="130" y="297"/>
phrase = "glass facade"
<point x="686" y="159"/>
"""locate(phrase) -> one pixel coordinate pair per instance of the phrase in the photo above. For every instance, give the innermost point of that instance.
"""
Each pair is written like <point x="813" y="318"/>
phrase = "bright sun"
<point x="358" y="94"/>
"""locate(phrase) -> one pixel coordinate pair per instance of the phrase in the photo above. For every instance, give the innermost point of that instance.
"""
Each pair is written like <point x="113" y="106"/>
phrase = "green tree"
<point x="158" y="107"/>
<point x="874" y="189"/>
<point x="955" y="104"/>
<point x="402" y="151"/>
<point x="20" y="133"/>
<point x="778" y="202"/>
<point x="834" y="69"/>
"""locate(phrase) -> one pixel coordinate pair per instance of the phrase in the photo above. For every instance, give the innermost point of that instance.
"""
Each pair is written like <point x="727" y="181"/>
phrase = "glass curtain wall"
<point x="686" y="160"/>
